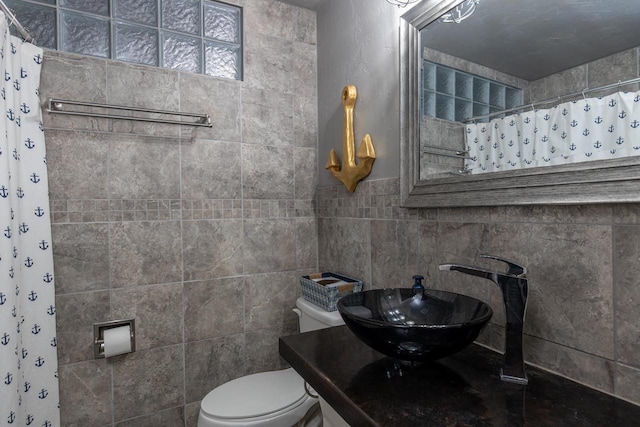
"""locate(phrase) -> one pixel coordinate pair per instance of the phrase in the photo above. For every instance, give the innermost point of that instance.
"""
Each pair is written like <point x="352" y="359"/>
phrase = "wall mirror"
<point x="521" y="64"/>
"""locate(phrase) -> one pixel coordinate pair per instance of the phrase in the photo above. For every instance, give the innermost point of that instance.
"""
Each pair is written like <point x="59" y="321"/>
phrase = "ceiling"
<point x="307" y="4"/>
<point x="533" y="39"/>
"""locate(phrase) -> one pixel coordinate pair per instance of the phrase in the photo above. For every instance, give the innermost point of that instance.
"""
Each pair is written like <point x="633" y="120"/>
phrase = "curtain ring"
<point x="12" y="18"/>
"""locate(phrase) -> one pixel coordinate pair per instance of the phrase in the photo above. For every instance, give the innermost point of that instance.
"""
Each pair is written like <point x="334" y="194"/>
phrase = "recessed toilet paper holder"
<point x="98" y="335"/>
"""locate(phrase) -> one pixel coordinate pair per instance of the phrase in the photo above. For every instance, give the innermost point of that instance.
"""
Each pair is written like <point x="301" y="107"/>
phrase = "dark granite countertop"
<point x="369" y="389"/>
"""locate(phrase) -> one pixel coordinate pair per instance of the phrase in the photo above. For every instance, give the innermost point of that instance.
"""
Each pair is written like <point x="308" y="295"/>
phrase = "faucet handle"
<point x="514" y="269"/>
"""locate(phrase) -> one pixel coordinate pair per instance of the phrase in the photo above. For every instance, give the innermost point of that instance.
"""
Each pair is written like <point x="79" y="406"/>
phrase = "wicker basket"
<point x="325" y="289"/>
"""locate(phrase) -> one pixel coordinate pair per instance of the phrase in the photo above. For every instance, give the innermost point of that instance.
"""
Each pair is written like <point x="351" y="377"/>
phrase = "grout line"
<point x="182" y="272"/>
<point x="614" y="299"/>
<point x="241" y="91"/>
<point x="109" y="237"/>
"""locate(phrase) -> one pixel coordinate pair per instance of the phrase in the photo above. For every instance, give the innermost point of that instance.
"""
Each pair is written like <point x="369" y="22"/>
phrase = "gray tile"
<point x="612" y="69"/>
<point x="475" y="214"/>
<point x="327" y="192"/>
<point x="144" y="168"/>
<point x="537" y="91"/>
<point x="627" y="213"/>
<point x="268" y="17"/>
<point x="73" y="77"/>
<point x="268" y="63"/>
<point x="192" y="412"/>
<point x="261" y="349"/>
<point x="196" y="95"/>
<point x="477" y="69"/>
<point x="510" y="80"/>
<point x="344" y="246"/>
<point x="269" y="300"/>
<point x="306" y="243"/>
<point x="267" y="172"/>
<point x="145" y="253"/>
<point x="85" y="394"/>
<point x="81" y="257"/>
<point x="304" y="21"/>
<point x="305" y="208"/>
<point x="267" y="117"/>
<point x="305" y="71"/>
<point x="76" y="314"/>
<point x="305" y="122"/>
<point x="496" y="336"/>
<point x="154" y="378"/>
<point x="485" y="336"/>
<point x="157" y="311"/>
<point x="627" y="293"/>
<point x="569" y="81"/>
<point x="306" y="173"/>
<point x="627" y="379"/>
<point x="144" y="87"/>
<point x="537" y="213"/>
<point x="212" y="249"/>
<point x="213" y="308"/>
<point x="395" y="252"/>
<point x="211" y="170"/>
<point x="269" y="245"/>
<point x="588" y="214"/>
<point x="77" y="165"/>
<point x="570" y="280"/>
<point x="457" y="243"/>
<point x="594" y="371"/>
<point x="172" y="417"/>
<point x="383" y="187"/>
<point x="211" y="363"/>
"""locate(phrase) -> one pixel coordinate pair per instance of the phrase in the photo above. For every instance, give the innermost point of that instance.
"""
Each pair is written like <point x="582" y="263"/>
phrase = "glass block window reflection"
<point x="198" y="36"/>
<point x="455" y="95"/>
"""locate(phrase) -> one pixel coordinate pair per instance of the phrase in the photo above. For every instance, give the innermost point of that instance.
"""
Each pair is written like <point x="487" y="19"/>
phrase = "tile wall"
<point x="584" y="275"/>
<point x="584" y="286"/>
<point x="176" y="227"/>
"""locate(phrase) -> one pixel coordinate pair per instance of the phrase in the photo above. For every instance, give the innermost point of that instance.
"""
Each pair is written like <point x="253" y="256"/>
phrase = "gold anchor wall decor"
<point x="350" y="174"/>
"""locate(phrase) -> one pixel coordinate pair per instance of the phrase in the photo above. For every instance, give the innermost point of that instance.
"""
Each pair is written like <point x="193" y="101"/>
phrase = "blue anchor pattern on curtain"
<point x="576" y="131"/>
<point x="28" y="355"/>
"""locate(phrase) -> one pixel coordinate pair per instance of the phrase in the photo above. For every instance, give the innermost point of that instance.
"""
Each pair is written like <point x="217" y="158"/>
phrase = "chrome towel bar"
<point x="56" y="106"/>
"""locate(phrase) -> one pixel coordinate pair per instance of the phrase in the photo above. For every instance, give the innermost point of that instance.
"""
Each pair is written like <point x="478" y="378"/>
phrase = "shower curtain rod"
<point x="55" y="107"/>
<point x="556" y="99"/>
<point x="14" y="21"/>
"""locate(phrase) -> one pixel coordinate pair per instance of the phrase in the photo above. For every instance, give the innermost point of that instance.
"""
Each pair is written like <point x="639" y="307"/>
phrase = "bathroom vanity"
<point x="369" y="389"/>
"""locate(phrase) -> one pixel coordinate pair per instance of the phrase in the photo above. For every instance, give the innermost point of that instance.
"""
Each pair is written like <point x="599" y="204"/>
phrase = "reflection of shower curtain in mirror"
<point x="572" y="132"/>
<point x="28" y="359"/>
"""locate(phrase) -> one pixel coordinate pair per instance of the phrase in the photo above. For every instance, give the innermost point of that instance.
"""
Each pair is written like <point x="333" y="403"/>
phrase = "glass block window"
<point x="455" y="95"/>
<point x="198" y="36"/>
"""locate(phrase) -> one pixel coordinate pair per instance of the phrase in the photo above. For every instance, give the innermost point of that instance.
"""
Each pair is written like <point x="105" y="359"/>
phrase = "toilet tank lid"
<point x="329" y="318"/>
<point x="255" y="395"/>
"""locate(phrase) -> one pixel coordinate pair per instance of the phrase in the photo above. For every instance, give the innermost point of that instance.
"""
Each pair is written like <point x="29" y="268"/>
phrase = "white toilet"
<point x="267" y="399"/>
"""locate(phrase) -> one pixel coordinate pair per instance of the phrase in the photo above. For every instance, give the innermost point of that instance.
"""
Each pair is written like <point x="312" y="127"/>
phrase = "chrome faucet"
<point x="513" y="285"/>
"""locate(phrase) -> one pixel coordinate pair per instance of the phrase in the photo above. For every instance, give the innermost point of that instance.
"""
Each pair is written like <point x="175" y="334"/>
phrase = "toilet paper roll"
<point x="117" y="341"/>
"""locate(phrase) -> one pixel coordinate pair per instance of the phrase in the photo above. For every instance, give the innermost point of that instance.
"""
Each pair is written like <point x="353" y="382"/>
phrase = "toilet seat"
<point x="257" y="398"/>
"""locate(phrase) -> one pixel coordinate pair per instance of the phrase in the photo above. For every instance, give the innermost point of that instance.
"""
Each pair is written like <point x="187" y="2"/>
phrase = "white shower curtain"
<point x="28" y="359"/>
<point x="572" y="132"/>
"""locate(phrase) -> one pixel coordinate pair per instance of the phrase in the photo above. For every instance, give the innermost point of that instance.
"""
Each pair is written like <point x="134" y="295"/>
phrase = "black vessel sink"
<point x="421" y="327"/>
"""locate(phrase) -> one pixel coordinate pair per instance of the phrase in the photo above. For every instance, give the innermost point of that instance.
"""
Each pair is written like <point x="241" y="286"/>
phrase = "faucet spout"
<point x="472" y="271"/>
<point x="514" y="287"/>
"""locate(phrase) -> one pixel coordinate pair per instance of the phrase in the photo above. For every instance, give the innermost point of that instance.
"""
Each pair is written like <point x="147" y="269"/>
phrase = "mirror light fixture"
<point x="402" y="3"/>
<point x="460" y="12"/>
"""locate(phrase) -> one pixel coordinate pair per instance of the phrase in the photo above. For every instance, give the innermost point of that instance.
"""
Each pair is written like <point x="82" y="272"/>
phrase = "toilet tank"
<point x="313" y="317"/>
